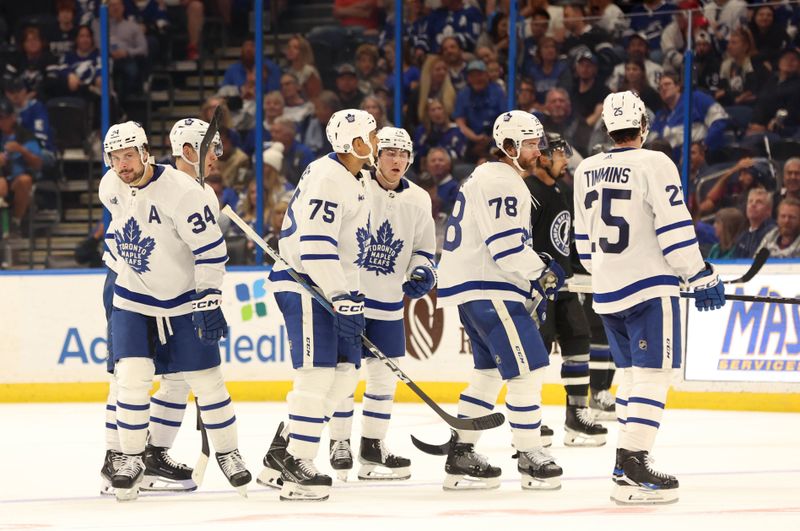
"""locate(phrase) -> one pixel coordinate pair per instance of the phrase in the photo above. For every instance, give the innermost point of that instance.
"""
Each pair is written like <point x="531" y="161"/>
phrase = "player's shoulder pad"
<point x="418" y="194"/>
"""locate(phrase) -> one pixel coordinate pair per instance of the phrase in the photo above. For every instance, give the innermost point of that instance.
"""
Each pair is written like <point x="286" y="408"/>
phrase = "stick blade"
<point x="486" y="422"/>
<point x="758" y="262"/>
<point x="432" y="449"/>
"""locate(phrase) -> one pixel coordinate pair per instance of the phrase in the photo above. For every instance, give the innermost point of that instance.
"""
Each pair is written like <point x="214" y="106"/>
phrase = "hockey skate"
<point x="163" y="474"/>
<point x="302" y="481"/>
<point x="581" y="430"/>
<point x="467" y="470"/>
<point x="128" y="476"/>
<point x="603" y="405"/>
<point x="377" y="462"/>
<point x="539" y="470"/>
<point x="546" y="434"/>
<point x="271" y="475"/>
<point x="110" y="465"/>
<point x="637" y="483"/>
<point x="341" y="458"/>
<point x="233" y="467"/>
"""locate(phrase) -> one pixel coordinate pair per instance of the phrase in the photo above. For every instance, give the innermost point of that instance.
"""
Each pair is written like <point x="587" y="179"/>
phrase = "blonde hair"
<point x="306" y="52"/>
<point x="733" y="222"/>
<point x="447" y="94"/>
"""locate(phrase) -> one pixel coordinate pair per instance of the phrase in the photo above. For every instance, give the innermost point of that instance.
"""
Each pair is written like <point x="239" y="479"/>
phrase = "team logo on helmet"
<point x="559" y="232"/>
<point x="507" y="117"/>
<point x="378" y="252"/>
<point x="134" y="249"/>
<point x="350" y="117"/>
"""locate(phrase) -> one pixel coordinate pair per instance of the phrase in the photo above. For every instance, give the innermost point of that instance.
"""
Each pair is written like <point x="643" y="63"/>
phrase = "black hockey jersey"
<point x="551" y="220"/>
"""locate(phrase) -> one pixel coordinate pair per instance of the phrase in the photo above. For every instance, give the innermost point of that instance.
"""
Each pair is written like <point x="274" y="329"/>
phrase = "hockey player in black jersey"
<point x="551" y="229"/>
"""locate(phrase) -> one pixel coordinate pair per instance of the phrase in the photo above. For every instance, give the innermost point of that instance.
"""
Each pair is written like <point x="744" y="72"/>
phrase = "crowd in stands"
<point x="744" y="178"/>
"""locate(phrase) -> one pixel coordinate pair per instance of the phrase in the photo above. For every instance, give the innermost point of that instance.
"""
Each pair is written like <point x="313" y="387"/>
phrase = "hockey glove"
<point x="551" y="280"/>
<point x="348" y="317"/>
<point x="539" y="313"/>
<point x="207" y="316"/>
<point x="709" y="293"/>
<point x="422" y="280"/>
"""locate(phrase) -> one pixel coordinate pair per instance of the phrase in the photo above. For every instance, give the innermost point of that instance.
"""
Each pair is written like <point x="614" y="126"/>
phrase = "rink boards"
<point x="53" y="345"/>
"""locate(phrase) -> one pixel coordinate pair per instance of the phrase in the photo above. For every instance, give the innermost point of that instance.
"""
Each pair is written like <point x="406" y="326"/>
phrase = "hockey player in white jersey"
<point x="172" y="257"/>
<point x="489" y="270"/>
<point x="635" y="236"/>
<point x="319" y="240"/>
<point x="395" y="252"/>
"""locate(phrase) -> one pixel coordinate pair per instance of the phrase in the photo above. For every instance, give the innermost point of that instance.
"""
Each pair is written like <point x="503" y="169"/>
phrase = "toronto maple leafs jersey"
<point x="633" y="232"/>
<point x="166" y="241"/>
<point x="399" y="236"/>
<point x="487" y="253"/>
<point x="318" y="236"/>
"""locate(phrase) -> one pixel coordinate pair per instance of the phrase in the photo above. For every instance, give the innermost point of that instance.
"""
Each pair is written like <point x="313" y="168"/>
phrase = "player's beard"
<point x="132" y="177"/>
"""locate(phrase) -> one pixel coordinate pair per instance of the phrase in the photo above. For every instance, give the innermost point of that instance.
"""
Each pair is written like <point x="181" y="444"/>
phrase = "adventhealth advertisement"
<point x="747" y="342"/>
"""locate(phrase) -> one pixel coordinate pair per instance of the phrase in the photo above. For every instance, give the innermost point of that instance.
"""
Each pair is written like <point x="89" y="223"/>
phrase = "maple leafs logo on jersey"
<point x="134" y="249"/>
<point x="378" y="252"/>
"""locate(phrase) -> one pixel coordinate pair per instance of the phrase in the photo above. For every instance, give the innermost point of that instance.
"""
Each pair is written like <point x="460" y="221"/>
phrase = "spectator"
<point x="477" y="106"/>
<point x="439" y="166"/>
<point x="526" y="96"/>
<point x="300" y="56"/>
<point x="496" y="74"/>
<point x="537" y="29"/>
<point x="152" y="18"/>
<point x="357" y="13"/>
<point x="226" y="121"/>
<point x="498" y="33"/>
<point x="89" y="252"/>
<point x="706" y="64"/>
<point x="410" y="73"/>
<point x="769" y="36"/>
<point x="81" y="67"/>
<point x="313" y="131"/>
<point x="790" y="182"/>
<point x="62" y="36"/>
<point x="225" y="194"/>
<point x="32" y="116"/>
<point x="453" y="18"/>
<point x="453" y="56"/>
<point x="34" y="64"/>
<point x="547" y="70"/>
<point x="434" y="83"/>
<point x="296" y="156"/>
<point x="759" y="206"/>
<point x="783" y="241"/>
<point x="374" y="106"/>
<point x="723" y="17"/>
<point x="295" y="107"/>
<point x="650" y="18"/>
<point x="347" y="87"/>
<point x="20" y="163"/>
<point x="697" y="169"/>
<point x="276" y="215"/>
<point x="367" y="68"/>
<point x="237" y="74"/>
<point x="553" y="23"/>
<point x="273" y="109"/>
<point x="428" y="183"/>
<point x="728" y="223"/>
<point x="740" y="79"/>
<point x="581" y="33"/>
<point x="557" y="116"/>
<point x="234" y="163"/>
<point x="587" y="99"/>
<point x="779" y="93"/>
<point x="749" y="174"/>
<point x="128" y="50"/>
<point x="637" y="51"/>
<point x="275" y="184"/>
<point x="709" y="119"/>
<point x="438" y="131"/>
<point x="612" y="20"/>
<point x="636" y="80"/>
<point x="673" y="39"/>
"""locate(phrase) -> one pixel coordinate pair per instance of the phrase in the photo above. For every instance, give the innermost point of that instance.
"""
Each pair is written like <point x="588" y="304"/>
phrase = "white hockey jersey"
<point x="319" y="233"/>
<point x="487" y="253"/>
<point x="399" y="236"/>
<point x="633" y="231"/>
<point x="166" y="241"/>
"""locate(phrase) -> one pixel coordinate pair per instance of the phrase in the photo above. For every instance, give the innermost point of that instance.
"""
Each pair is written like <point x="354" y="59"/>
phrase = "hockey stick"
<point x="211" y="132"/>
<point x="480" y="423"/>
<point x="202" y="462"/>
<point x="758" y="262"/>
<point x="583" y="288"/>
<point x="432" y="449"/>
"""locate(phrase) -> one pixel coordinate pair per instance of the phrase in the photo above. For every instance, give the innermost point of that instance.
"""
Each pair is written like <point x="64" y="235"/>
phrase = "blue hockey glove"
<point x="348" y="317"/>
<point x="709" y="293"/>
<point x="422" y="280"/>
<point x="207" y="316"/>
<point x="551" y="280"/>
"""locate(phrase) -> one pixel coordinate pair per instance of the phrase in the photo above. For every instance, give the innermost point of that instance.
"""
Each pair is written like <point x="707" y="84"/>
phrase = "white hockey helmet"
<point x="517" y="126"/>
<point x="625" y="110"/>
<point x="347" y="125"/>
<point x="396" y="138"/>
<point x="126" y="135"/>
<point x="191" y="131"/>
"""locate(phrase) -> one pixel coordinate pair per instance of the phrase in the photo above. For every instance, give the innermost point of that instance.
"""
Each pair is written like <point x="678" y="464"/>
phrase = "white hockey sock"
<point x="341" y="422"/>
<point x="134" y="380"/>
<point x="523" y="401"/>
<point x="307" y="402"/>
<point x="112" y="436"/>
<point x="216" y="408"/>
<point x="478" y="399"/>
<point x="378" y="398"/>
<point x="645" y="408"/>
<point x="167" y="407"/>
<point x="623" y="392"/>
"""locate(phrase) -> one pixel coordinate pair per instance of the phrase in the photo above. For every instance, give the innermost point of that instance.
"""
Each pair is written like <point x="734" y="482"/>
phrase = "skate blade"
<point x="269" y="477"/>
<point x="341" y="475"/>
<point x="576" y="438"/>
<point x="532" y="483"/>
<point x="126" y="495"/>
<point x="242" y="491"/>
<point x="632" y="495"/>
<point x="457" y="482"/>
<point x="372" y="471"/>
<point x="162" y="484"/>
<point x="604" y="416"/>
<point x="106" y="489"/>
<point x="294" y="492"/>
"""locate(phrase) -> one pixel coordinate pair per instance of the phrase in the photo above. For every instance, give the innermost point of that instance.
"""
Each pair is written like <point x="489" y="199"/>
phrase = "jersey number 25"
<point x="608" y="196"/>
